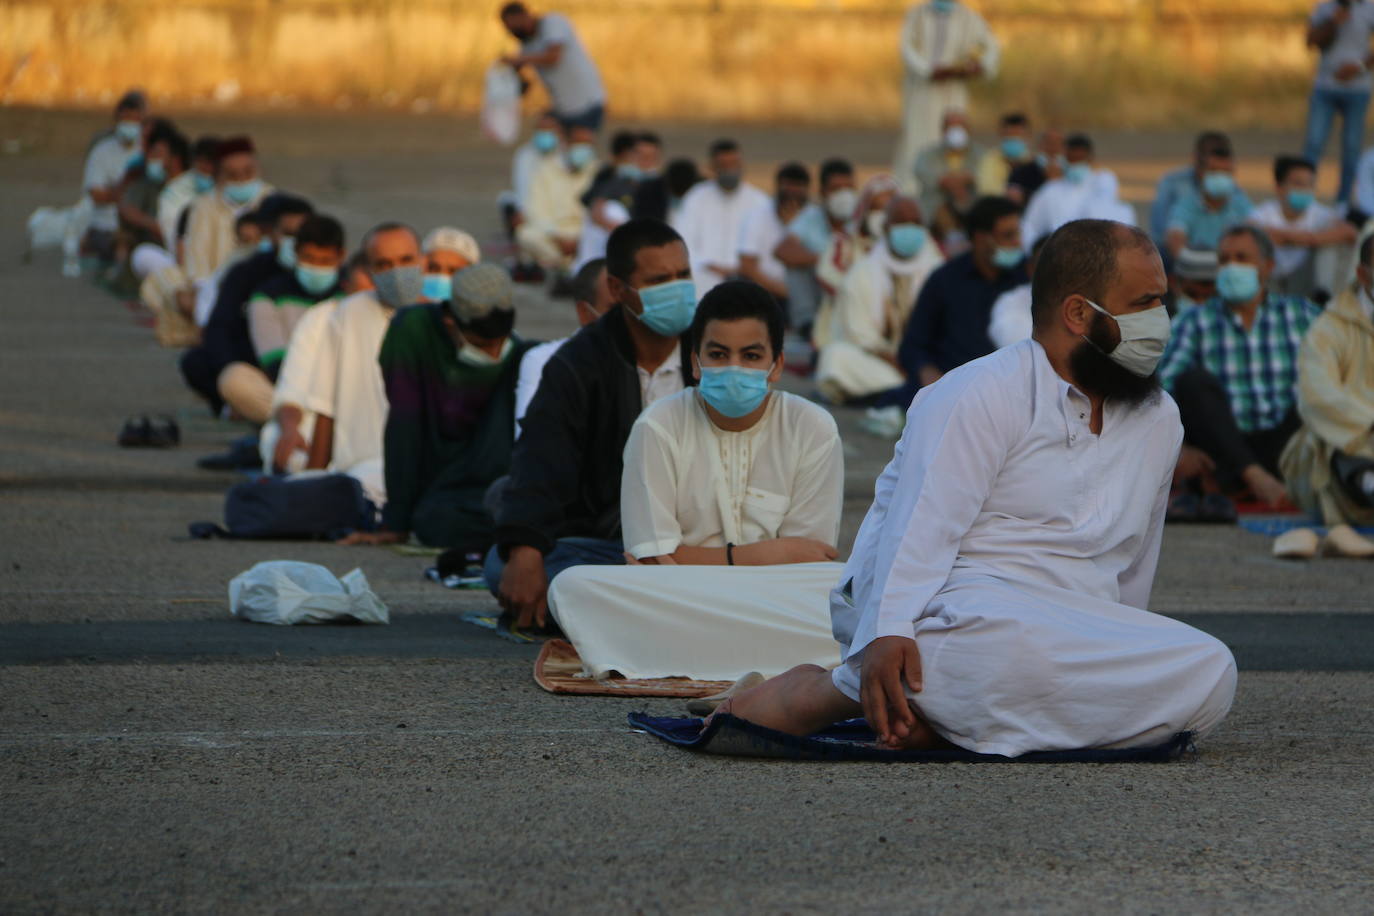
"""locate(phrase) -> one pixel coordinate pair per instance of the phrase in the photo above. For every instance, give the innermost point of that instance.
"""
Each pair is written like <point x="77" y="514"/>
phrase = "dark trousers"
<point x="201" y="372"/>
<point x="1209" y="424"/>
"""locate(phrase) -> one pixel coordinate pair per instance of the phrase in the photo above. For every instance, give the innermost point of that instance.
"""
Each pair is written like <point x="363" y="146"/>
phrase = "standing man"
<point x="1340" y="29"/>
<point x="944" y="46"/>
<point x="550" y="45"/>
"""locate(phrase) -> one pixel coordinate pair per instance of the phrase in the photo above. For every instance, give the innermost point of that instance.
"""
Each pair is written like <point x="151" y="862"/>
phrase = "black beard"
<point x="1096" y="372"/>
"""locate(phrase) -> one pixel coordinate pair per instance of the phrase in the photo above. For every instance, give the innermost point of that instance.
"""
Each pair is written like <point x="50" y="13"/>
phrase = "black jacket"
<point x="226" y="337"/>
<point x="565" y="471"/>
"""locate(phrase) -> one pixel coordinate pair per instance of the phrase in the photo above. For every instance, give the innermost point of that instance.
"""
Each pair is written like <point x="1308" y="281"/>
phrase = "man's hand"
<point x="665" y="560"/>
<point x="1193" y="462"/>
<point x="781" y="551"/>
<point x="186" y="301"/>
<point x="929" y="375"/>
<point x="890" y="665"/>
<point x="288" y="443"/>
<point x="373" y="538"/>
<point x="524" y="588"/>
<point x="1267" y="488"/>
<point x="567" y="246"/>
<point x="1349" y="70"/>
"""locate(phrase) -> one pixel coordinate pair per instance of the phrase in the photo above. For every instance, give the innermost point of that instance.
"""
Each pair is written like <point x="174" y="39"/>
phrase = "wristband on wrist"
<point x="729" y="554"/>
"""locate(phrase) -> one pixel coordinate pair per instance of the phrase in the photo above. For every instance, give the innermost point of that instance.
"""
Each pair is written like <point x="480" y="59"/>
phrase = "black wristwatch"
<point x="729" y="554"/>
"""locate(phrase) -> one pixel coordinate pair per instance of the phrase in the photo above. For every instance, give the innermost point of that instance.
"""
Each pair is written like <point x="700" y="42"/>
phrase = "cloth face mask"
<point x="668" y="307"/>
<point x="316" y="280"/>
<point x="438" y="287"/>
<point x="399" y="286"/>
<point x="734" y="390"/>
<point x="1144" y="335"/>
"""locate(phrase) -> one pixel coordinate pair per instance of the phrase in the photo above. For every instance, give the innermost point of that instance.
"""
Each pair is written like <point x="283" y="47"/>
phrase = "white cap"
<point x="447" y="238"/>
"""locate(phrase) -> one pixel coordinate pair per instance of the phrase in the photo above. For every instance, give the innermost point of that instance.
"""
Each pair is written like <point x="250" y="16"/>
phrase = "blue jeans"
<point x="591" y="118"/>
<point x="1321" y="112"/>
<point x="567" y="552"/>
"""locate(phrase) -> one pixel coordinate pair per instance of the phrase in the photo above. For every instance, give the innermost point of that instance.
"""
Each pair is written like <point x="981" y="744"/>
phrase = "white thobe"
<point x="710" y="221"/>
<point x="1010" y="321"/>
<point x="760" y="235"/>
<point x="686" y="481"/>
<point x="869" y="316"/>
<point x="105" y="166"/>
<point x="176" y="196"/>
<point x="295" y="382"/>
<point x="347" y="386"/>
<point x="1061" y="201"/>
<point x="1018" y="548"/>
<point x="931" y="39"/>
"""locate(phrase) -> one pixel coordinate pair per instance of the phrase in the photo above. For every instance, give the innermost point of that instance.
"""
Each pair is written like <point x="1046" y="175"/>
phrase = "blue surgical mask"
<point x="399" y="286"/>
<point x="1238" y="282"/>
<point x="943" y="6"/>
<point x="265" y="245"/>
<point x="316" y="280"/>
<point x="1014" y="148"/>
<point x="580" y="155"/>
<point x="629" y="170"/>
<point x="906" y="239"/>
<point x="242" y="192"/>
<point x="438" y="287"/>
<point x="1007" y="258"/>
<point x="286" y="252"/>
<point x="668" y="307"/>
<point x="128" y="131"/>
<point x="1218" y="184"/>
<point x="734" y="390"/>
<point x="154" y="170"/>
<point x="202" y="182"/>
<point x="1300" y="200"/>
<point x="545" y="141"/>
<point x="1078" y="172"/>
<point x="134" y="161"/>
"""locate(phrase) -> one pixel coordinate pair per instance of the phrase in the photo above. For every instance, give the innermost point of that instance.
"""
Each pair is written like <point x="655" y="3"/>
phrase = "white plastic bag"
<point x="287" y="592"/>
<point x="501" y="104"/>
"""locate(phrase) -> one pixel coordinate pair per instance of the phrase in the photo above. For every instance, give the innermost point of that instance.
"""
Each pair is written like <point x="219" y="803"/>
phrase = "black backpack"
<point x="301" y="508"/>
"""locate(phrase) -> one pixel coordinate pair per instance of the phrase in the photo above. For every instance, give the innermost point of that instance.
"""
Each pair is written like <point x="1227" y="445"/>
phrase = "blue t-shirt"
<point x="812" y="227"/>
<point x="1203" y="226"/>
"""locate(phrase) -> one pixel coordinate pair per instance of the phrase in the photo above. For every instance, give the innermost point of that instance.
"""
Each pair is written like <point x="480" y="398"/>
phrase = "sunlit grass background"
<point x="1111" y="63"/>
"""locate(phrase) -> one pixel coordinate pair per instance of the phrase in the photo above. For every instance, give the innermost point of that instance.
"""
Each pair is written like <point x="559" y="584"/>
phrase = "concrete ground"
<point x="158" y="756"/>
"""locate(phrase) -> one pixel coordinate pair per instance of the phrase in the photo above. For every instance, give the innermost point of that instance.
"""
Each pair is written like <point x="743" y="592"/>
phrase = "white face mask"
<point x="1144" y="335"/>
<point x="956" y="136"/>
<point x="840" y="204"/>
<point x="471" y="355"/>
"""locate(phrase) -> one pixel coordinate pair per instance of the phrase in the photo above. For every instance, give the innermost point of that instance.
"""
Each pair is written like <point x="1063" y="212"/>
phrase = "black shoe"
<point x="1217" y="508"/>
<point x="242" y="455"/>
<point x="164" y="433"/>
<point x="527" y="273"/>
<point x="562" y="286"/>
<point x="135" y="433"/>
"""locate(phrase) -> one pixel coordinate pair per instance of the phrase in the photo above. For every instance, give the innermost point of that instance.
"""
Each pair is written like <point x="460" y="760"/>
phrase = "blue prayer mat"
<point x="1275" y="525"/>
<point x="853" y="740"/>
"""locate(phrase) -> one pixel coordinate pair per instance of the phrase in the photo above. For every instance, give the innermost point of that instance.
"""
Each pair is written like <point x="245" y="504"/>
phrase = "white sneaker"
<point x="887" y="422"/>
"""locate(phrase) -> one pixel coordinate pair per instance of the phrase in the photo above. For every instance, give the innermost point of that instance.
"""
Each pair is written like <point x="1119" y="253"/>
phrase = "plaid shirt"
<point x="1258" y="368"/>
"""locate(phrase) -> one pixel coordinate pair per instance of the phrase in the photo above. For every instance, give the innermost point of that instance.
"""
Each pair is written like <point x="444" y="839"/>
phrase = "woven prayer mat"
<point x="853" y="740"/>
<point x="559" y="670"/>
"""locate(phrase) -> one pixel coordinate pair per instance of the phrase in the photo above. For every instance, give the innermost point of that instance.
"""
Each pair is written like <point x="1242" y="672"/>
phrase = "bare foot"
<point x="800" y="702"/>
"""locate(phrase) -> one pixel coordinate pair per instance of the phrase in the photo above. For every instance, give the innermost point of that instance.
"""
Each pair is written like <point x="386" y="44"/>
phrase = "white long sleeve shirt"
<point x="711" y="222"/>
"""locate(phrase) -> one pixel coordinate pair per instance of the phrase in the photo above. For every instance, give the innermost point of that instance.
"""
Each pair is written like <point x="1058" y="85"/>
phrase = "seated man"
<point x="609" y="200"/>
<point x="946" y="176"/>
<point x="163" y="162"/>
<point x="1329" y="464"/>
<point x="660" y="197"/>
<point x="1046" y="165"/>
<point x="1194" y="279"/>
<point x="591" y="300"/>
<point x="1232" y="365"/>
<point x="553" y="214"/>
<point x="103" y="178"/>
<point x="949" y="325"/>
<point x="546" y="142"/>
<point x="1013" y="151"/>
<point x="180" y="191"/>
<point x="1083" y="192"/>
<point x="729" y="475"/>
<point x="817" y="248"/>
<point x="1181" y="181"/>
<point x="209" y="237"/>
<point x="1202" y="212"/>
<point x="447" y="250"/>
<point x="873" y="306"/>
<point x="450" y="370"/>
<point x="277" y="306"/>
<point x="995" y="599"/>
<point x="712" y="216"/>
<point x="561" y="507"/>
<point x="1302" y="229"/>
<point x="226" y="338"/>
<point x="764" y="228"/>
<point x="347" y="394"/>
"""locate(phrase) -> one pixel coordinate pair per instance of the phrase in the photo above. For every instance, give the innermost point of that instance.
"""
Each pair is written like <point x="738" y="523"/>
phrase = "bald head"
<point x="903" y="209"/>
<point x="1084" y="258"/>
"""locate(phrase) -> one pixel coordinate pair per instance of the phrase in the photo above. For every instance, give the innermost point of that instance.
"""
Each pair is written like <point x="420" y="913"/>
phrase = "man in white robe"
<point x="730" y="508"/>
<point x="996" y="595"/>
<point x="1084" y="192"/>
<point x="871" y="310"/>
<point x="712" y="216"/>
<point x="945" y="45"/>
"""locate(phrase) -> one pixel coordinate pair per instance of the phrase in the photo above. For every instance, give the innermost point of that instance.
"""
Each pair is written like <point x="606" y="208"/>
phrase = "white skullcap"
<point x="447" y="238"/>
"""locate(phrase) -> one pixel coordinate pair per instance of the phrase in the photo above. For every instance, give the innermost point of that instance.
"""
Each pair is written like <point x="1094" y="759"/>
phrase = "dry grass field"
<point x="1121" y="63"/>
